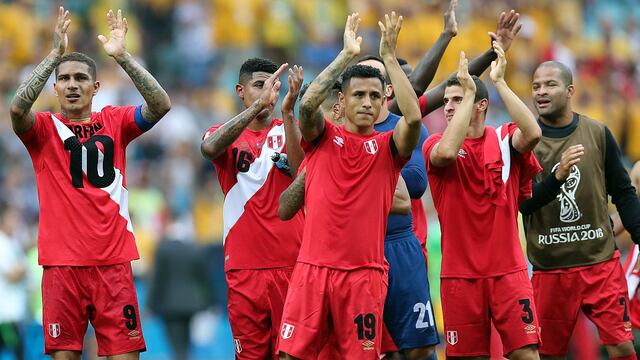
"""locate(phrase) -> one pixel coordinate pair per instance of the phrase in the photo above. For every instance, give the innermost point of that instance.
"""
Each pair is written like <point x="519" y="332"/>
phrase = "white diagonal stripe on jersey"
<point x="248" y="183"/>
<point x="116" y="190"/>
<point x="633" y="280"/>
<point x="505" y="150"/>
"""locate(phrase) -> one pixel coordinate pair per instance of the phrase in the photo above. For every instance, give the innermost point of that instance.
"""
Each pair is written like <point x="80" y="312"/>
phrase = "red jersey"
<point x="477" y="200"/>
<point x="254" y="236"/>
<point x="80" y="176"/>
<point x="349" y="188"/>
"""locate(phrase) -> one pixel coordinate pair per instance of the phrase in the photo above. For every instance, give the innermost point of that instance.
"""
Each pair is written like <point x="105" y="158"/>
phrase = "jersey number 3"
<point x="100" y="171"/>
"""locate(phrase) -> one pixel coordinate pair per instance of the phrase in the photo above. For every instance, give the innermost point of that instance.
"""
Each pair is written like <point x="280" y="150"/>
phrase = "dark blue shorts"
<point x="408" y="312"/>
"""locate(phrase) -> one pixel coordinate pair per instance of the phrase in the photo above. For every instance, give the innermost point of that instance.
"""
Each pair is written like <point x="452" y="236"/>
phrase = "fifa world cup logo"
<point x="569" y="211"/>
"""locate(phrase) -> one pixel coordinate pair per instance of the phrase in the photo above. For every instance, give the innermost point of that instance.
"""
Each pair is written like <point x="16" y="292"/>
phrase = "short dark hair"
<point x="337" y="86"/>
<point x="565" y="72"/>
<point x="255" y="65"/>
<point x="370" y="57"/>
<point x="481" y="88"/>
<point x="387" y="79"/>
<point x="79" y="57"/>
<point x="360" y="71"/>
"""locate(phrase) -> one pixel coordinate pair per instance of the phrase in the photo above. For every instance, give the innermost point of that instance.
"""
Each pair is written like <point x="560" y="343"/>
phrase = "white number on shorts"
<point x="422" y="309"/>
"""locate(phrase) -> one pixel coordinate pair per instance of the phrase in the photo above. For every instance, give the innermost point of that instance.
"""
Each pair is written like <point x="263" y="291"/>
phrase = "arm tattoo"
<point x="217" y="143"/>
<point x="28" y="92"/>
<point x="157" y="102"/>
<point x="292" y="199"/>
<point x="310" y="117"/>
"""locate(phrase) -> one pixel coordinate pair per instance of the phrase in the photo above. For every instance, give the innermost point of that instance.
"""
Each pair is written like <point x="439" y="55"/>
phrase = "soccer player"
<point x="570" y="241"/>
<point x="477" y="176"/>
<point x="85" y="238"/>
<point x="338" y="285"/>
<point x="408" y="312"/>
<point x="260" y="249"/>
<point x="292" y="199"/>
<point x="420" y="78"/>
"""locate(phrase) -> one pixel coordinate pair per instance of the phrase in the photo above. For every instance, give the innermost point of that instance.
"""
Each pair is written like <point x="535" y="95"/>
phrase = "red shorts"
<point x="324" y="302"/>
<point x="256" y="299"/>
<point x="600" y="291"/>
<point x="470" y="306"/>
<point x="105" y="295"/>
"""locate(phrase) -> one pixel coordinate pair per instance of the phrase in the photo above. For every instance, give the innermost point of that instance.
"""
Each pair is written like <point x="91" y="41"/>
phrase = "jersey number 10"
<point x="95" y="159"/>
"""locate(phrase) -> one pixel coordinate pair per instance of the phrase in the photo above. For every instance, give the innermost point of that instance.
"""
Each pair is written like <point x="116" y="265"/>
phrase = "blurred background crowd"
<point x="195" y="49"/>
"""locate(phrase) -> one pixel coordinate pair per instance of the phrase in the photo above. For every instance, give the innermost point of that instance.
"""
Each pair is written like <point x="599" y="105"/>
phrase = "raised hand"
<point x="463" y="76"/>
<point x="271" y="88"/>
<point x="351" y="39"/>
<point x="498" y="67"/>
<point x="60" y="38"/>
<point x="450" y="23"/>
<point x="569" y="157"/>
<point x="295" y="83"/>
<point x="389" y="34"/>
<point x="507" y="29"/>
<point x="115" y="45"/>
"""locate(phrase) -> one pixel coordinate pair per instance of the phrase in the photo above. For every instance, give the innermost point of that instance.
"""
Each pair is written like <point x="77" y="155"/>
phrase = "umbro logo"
<point x="368" y="345"/>
<point x="338" y="141"/>
<point x="462" y="153"/>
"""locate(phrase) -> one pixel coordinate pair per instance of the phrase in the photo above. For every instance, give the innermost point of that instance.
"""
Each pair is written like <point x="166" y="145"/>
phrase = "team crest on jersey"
<point x="338" y="140"/>
<point x="275" y="141"/>
<point x="54" y="330"/>
<point x="371" y="146"/>
<point x="237" y="345"/>
<point x="287" y="330"/>
<point x="452" y="337"/>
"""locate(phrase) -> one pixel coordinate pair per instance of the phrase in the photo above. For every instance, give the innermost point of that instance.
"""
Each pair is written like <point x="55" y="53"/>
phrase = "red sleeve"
<point x="329" y="131"/>
<point x="125" y="115"/>
<point x="34" y="137"/>
<point x="222" y="159"/>
<point x="422" y="101"/>
<point x="427" y="147"/>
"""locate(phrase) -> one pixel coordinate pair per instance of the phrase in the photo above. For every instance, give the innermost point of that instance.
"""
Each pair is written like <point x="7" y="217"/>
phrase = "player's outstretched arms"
<point x="407" y="131"/>
<point x="22" y="118"/>
<point x="292" y="135"/>
<point x="215" y="144"/>
<point x="157" y="102"/>
<point x="311" y="119"/>
<point x="528" y="134"/>
<point x="446" y="150"/>
<point x="292" y="198"/>
<point x="506" y="31"/>
<point x="424" y="72"/>
<point x="401" y="204"/>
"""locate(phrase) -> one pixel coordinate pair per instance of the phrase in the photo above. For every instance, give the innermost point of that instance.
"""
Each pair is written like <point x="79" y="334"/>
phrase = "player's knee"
<point x="66" y="355"/>
<point x="620" y="350"/>
<point x="285" y="356"/>
<point x="552" y="357"/>
<point x="421" y="353"/>
<point x="529" y="352"/>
